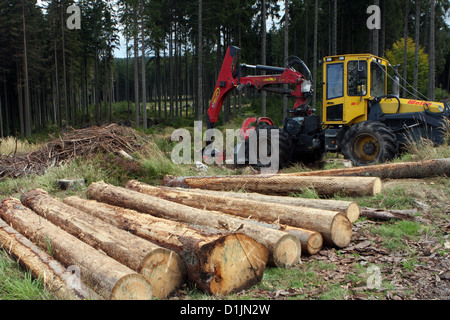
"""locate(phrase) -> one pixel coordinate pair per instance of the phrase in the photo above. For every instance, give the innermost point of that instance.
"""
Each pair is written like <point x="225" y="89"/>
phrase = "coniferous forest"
<point x="59" y="61"/>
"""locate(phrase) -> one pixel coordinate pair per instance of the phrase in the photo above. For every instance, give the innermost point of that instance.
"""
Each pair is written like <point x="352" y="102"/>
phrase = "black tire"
<point x="369" y="142"/>
<point x="284" y="148"/>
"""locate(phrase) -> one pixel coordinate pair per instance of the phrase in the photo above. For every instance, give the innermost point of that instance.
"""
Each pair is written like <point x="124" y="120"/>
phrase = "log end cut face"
<point x="353" y="211"/>
<point x="314" y="243"/>
<point x="341" y="231"/>
<point x="237" y="263"/>
<point x="165" y="271"/>
<point x="132" y="287"/>
<point x="287" y="251"/>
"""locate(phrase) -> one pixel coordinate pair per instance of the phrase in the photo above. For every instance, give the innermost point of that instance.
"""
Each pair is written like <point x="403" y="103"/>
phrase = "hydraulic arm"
<point x="231" y="78"/>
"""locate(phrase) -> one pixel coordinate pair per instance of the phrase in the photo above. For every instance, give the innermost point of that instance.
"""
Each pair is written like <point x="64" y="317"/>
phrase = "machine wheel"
<point x="369" y="142"/>
<point x="284" y="148"/>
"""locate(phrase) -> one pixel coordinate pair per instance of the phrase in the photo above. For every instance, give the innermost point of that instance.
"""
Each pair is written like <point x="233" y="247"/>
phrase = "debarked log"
<point x="335" y="228"/>
<point x="217" y="263"/>
<point x="284" y="248"/>
<point x="350" y="208"/>
<point x="57" y="279"/>
<point x="281" y="184"/>
<point x="402" y="170"/>
<point x="106" y="276"/>
<point x="136" y="253"/>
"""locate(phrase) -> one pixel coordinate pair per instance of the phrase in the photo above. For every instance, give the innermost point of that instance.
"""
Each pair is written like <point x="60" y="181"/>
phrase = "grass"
<point x="16" y="283"/>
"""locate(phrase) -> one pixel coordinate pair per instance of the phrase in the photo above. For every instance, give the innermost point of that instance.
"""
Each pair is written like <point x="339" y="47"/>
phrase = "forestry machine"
<point x="358" y="118"/>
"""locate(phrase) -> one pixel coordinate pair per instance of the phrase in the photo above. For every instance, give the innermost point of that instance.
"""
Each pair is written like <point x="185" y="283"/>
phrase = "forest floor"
<point x="386" y="260"/>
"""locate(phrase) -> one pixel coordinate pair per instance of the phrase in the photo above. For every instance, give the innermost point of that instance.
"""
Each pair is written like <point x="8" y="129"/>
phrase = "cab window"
<point x="357" y="78"/>
<point x="335" y="80"/>
<point x="377" y="80"/>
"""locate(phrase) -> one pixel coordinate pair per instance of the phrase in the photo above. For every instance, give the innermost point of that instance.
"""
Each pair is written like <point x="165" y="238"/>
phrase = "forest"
<point x="55" y="74"/>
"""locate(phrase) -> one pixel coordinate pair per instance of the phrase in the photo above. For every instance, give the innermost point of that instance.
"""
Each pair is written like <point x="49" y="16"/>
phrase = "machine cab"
<point x="349" y="82"/>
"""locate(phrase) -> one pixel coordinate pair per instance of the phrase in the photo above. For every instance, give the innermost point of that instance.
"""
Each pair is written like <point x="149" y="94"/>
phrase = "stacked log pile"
<point x="142" y="241"/>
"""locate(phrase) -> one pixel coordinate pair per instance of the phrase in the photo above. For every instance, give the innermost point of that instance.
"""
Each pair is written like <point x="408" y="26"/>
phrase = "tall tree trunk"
<point x="286" y="49"/>
<point x="27" y="111"/>
<point x="200" y="63"/>
<point x="431" y="65"/>
<point x="66" y="103"/>
<point x="136" y="68"/>
<point x="416" y="51"/>
<point x="127" y="85"/>
<point x="405" y="49"/>
<point x="144" y="89"/>
<point x="263" y="53"/>
<point x="316" y="22"/>
<point x="20" y="100"/>
<point x="376" y="35"/>
<point x="57" y="98"/>
<point x="334" y="30"/>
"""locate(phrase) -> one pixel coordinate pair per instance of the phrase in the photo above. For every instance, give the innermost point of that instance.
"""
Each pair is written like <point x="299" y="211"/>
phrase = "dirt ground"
<point x="421" y="270"/>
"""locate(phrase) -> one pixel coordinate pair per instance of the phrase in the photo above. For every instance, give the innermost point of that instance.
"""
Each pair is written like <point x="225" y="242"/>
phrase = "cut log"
<point x="54" y="276"/>
<point x="312" y="241"/>
<point x="335" y="228"/>
<point x="281" y="184"/>
<point x="106" y="276"/>
<point x="284" y="248"/>
<point x="216" y="263"/>
<point x="403" y="170"/>
<point x="138" y="254"/>
<point x="350" y="208"/>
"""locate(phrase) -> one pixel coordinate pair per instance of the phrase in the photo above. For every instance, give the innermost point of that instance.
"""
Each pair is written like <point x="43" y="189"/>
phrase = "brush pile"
<point x="75" y="143"/>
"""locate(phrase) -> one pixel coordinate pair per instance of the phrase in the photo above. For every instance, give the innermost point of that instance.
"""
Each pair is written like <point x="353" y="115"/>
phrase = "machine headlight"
<point x="306" y="86"/>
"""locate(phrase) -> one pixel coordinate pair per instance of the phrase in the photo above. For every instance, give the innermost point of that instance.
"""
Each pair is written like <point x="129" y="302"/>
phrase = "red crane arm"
<point x="230" y="79"/>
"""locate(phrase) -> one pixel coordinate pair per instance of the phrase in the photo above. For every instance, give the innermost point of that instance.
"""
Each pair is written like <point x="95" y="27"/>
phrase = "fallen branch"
<point x="380" y="214"/>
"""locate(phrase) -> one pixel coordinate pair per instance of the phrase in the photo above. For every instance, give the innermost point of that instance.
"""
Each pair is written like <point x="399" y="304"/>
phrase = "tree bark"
<point x="350" y="208"/>
<point x="284" y="248"/>
<point x="401" y="170"/>
<point x="405" y="48"/>
<point x="54" y="276"/>
<point x="432" y="53"/>
<point x="281" y="184"/>
<point x="106" y="276"/>
<point x="136" y="66"/>
<point x="130" y="250"/>
<point x="334" y="226"/>
<point x="263" y="53"/>
<point x="143" y="75"/>
<point x="416" y="49"/>
<point x="200" y="63"/>
<point x="217" y="263"/>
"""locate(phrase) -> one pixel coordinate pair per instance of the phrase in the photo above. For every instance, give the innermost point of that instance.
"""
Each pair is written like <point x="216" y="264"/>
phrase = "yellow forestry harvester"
<point x="359" y="118"/>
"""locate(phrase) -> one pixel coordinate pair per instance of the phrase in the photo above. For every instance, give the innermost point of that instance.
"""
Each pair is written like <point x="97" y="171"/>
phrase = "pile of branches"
<point x="74" y="143"/>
